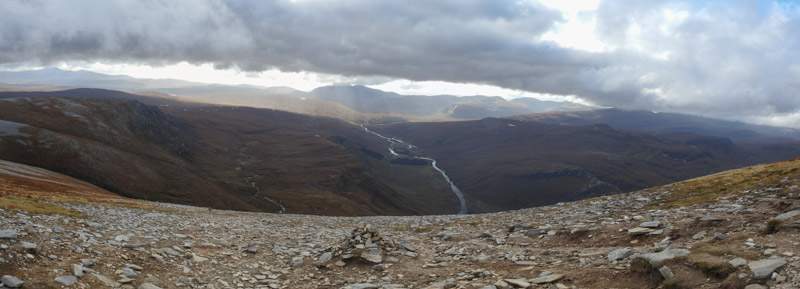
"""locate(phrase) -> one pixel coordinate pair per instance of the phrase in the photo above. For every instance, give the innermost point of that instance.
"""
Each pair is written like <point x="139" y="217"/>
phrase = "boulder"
<point x="650" y="225"/>
<point x="787" y="216"/>
<point x="11" y="281"/>
<point x="67" y="280"/>
<point x="763" y="269"/>
<point x="619" y="254"/>
<point x="518" y="283"/>
<point x="645" y="263"/>
<point x="8" y="234"/>
<point x="549" y="278"/>
<point x="148" y="286"/>
<point x="361" y="286"/>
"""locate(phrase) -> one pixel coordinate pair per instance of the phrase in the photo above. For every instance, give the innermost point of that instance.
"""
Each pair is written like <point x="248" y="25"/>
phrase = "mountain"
<point x="414" y="107"/>
<point x="218" y="156"/>
<point x="280" y="98"/>
<point x="503" y="164"/>
<point x="352" y="103"/>
<point x="669" y="123"/>
<point x="728" y="230"/>
<point x="85" y="79"/>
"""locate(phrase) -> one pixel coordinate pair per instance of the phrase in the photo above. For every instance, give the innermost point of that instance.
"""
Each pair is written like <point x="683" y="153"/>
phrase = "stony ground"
<point x="747" y="238"/>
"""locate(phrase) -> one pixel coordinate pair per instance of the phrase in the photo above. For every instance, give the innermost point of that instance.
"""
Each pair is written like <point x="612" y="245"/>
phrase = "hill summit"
<point x="735" y="229"/>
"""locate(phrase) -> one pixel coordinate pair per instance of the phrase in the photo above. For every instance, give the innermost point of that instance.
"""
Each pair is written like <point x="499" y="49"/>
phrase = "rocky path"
<point x="624" y="241"/>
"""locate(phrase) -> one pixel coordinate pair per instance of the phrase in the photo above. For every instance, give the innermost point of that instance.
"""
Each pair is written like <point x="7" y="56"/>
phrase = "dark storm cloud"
<point x="454" y="40"/>
<point x="718" y="58"/>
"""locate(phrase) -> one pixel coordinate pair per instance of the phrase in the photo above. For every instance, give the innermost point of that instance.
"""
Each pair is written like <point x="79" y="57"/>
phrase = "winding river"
<point x="395" y="141"/>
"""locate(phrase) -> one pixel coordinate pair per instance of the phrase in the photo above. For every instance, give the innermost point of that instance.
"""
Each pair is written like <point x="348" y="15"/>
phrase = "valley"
<point x="257" y="159"/>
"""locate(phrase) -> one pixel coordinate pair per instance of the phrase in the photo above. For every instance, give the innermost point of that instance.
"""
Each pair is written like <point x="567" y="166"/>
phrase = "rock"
<point x="128" y="272"/>
<point x="446" y="284"/>
<point x="650" y="261"/>
<point x="518" y="283"/>
<point x="787" y="216"/>
<point x="361" y="286"/>
<point x="11" y="281"/>
<point x="78" y="270"/>
<point x="167" y="251"/>
<point x="148" y="286"/>
<point x="372" y="256"/>
<point x="108" y="282"/>
<point x="67" y="280"/>
<point x="88" y="262"/>
<point x="699" y="236"/>
<point x="298" y="261"/>
<point x="762" y="269"/>
<point x="251" y="248"/>
<point x="122" y="238"/>
<point x="198" y="259"/>
<point x="738" y="262"/>
<point x="8" y="234"/>
<point x="666" y="273"/>
<point x="755" y="286"/>
<point x="489" y="287"/>
<point x="619" y="254"/>
<point x="535" y="233"/>
<point x="650" y="225"/>
<point x="30" y="247"/>
<point x="550" y="278"/>
<point x="639" y="231"/>
<point x="324" y="258"/>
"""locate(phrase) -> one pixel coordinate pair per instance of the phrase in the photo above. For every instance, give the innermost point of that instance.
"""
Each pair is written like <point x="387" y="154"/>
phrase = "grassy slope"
<point x="729" y="183"/>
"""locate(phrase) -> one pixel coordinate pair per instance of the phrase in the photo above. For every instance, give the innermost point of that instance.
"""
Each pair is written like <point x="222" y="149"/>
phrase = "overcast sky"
<point x="717" y="58"/>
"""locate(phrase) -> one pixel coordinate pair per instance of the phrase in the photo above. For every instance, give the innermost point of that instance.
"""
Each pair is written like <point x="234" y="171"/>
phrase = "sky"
<point x="728" y="59"/>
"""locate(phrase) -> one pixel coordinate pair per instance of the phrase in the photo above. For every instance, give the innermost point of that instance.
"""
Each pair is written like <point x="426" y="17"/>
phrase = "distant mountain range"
<point x="351" y="102"/>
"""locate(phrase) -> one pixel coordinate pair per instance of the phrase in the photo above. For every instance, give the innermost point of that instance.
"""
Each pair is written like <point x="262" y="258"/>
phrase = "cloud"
<point x="719" y="58"/>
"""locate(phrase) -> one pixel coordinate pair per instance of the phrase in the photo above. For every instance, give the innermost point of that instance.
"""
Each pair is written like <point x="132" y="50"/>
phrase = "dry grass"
<point x="35" y="206"/>
<point x="713" y="187"/>
<point x="49" y="197"/>
<point x="729" y="248"/>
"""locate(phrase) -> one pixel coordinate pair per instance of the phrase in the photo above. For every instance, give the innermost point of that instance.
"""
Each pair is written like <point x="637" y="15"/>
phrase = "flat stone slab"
<point x="762" y="269"/>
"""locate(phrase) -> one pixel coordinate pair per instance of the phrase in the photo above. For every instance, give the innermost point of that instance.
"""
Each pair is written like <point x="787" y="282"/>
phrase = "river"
<point x="453" y="188"/>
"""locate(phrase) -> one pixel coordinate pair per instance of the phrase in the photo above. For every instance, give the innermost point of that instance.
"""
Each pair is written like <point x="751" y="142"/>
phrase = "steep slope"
<point x="34" y="189"/>
<point x="510" y="164"/>
<point x="223" y="157"/>
<point x="744" y="236"/>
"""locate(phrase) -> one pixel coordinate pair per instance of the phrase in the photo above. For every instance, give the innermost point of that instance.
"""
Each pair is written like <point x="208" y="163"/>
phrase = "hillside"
<point x="733" y="229"/>
<point x="505" y="164"/>
<point x="668" y="123"/>
<point x="223" y="157"/>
